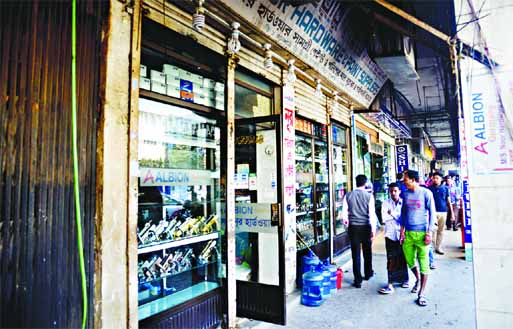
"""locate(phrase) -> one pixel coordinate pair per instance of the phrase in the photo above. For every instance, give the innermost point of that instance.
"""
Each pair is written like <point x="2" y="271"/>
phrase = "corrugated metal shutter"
<point x="308" y="104"/>
<point x="255" y="62"/>
<point x="342" y="115"/>
<point x="39" y="270"/>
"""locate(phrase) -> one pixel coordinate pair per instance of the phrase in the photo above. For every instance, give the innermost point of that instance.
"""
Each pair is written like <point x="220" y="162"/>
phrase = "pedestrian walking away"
<point x="417" y="222"/>
<point x="442" y="205"/>
<point x="359" y="213"/>
<point x="396" y="263"/>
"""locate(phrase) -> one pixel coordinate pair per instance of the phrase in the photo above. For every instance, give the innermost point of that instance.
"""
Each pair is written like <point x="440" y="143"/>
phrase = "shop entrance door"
<point x="259" y="234"/>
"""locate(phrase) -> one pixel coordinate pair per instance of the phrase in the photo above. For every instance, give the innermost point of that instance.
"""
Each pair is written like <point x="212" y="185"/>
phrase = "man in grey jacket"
<point x="359" y="212"/>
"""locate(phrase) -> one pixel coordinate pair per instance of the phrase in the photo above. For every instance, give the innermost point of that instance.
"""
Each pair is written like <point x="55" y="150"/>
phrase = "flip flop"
<point x="422" y="301"/>
<point x="386" y="291"/>
<point x="415" y="287"/>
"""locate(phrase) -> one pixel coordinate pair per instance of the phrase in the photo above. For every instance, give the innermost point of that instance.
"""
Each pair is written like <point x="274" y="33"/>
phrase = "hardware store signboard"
<point x="320" y="36"/>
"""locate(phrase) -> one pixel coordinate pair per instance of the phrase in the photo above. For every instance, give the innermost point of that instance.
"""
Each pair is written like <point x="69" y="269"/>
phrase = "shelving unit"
<point x="177" y="243"/>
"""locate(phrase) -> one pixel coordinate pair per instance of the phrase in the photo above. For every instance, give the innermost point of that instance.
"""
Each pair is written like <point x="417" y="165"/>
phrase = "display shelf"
<point x="162" y="304"/>
<point x="177" y="243"/>
<point x="302" y="158"/>
<point x="322" y="209"/>
<point x="166" y="276"/>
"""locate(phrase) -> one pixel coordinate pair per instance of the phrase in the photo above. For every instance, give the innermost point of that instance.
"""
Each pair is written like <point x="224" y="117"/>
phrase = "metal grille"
<point x="39" y="276"/>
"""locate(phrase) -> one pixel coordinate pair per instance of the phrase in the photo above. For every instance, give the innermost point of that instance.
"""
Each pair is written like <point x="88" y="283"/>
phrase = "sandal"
<point x="422" y="301"/>
<point x="405" y="284"/>
<point x="415" y="287"/>
<point x="386" y="290"/>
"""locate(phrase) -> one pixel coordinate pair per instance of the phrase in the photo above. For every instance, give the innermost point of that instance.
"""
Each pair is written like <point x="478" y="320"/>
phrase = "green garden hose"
<point x="76" y="189"/>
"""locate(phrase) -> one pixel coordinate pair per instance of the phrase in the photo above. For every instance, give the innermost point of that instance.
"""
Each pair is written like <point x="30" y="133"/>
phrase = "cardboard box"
<point x="200" y="99"/>
<point x="145" y="84"/>
<point x="208" y="83"/>
<point x="158" y="87"/>
<point x="173" y="91"/>
<point x="171" y="69"/>
<point x="158" y="76"/>
<point x="144" y="71"/>
<point x="172" y="80"/>
<point x="219" y="86"/>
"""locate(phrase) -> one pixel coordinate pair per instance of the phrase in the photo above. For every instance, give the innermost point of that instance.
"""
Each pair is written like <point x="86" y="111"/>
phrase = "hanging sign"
<point x="402" y="157"/>
<point x="320" y="34"/>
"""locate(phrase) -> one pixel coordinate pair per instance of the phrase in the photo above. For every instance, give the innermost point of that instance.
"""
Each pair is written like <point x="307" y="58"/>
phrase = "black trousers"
<point x="361" y="235"/>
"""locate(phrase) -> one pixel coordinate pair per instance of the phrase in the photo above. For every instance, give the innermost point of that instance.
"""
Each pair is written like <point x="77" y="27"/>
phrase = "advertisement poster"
<point x="289" y="185"/>
<point x="319" y="34"/>
<point x="490" y="146"/>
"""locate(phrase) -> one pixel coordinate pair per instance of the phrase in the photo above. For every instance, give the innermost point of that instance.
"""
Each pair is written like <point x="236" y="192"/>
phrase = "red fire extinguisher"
<point x="340" y="276"/>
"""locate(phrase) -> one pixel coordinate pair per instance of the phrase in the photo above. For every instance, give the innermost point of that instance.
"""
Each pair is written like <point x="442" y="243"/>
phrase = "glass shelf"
<point x="169" y="275"/>
<point x="177" y="243"/>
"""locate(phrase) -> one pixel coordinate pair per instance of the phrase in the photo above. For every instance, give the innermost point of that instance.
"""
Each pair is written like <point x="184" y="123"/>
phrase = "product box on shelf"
<point x="219" y="87"/>
<point x="200" y="99"/>
<point x="208" y="83"/>
<point x="172" y="80"/>
<point x="158" y="76"/>
<point x="158" y="87"/>
<point x="145" y="84"/>
<point x="143" y="71"/>
<point x="173" y="91"/>
<point x="171" y="69"/>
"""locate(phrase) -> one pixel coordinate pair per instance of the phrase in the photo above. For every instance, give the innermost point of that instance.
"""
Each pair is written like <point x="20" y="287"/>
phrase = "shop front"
<point x="181" y="225"/>
<point x="341" y="184"/>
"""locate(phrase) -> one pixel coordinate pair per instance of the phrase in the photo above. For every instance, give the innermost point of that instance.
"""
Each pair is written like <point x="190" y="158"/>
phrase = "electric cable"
<point x="76" y="189"/>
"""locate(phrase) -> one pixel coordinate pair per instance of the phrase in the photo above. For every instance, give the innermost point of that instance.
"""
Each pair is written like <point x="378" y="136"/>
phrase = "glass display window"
<point x="312" y="184"/>
<point x="179" y="210"/>
<point x="340" y="175"/>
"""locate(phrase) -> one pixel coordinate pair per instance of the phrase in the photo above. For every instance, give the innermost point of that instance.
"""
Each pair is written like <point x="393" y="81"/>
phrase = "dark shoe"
<point x="357" y="285"/>
<point x="440" y="252"/>
<point x="432" y="266"/>
<point x="455" y="229"/>
<point x="368" y="277"/>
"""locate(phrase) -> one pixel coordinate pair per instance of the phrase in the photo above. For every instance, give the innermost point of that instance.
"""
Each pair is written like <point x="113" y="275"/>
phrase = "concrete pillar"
<point x="111" y="281"/>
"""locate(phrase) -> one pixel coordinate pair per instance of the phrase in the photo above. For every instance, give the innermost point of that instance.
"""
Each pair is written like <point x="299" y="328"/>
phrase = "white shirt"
<point x="372" y="212"/>
<point x="393" y="220"/>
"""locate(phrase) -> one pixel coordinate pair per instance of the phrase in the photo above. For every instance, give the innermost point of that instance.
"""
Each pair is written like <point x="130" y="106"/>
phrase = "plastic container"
<point x="326" y="282"/>
<point x="311" y="293"/>
<point x="310" y="260"/>
<point x="333" y="275"/>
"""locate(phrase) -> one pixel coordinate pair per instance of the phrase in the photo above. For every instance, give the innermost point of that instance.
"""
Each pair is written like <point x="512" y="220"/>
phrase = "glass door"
<point x="259" y="236"/>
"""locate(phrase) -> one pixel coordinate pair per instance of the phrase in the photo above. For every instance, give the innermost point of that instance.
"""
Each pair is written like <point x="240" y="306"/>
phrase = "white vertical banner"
<point x="289" y="188"/>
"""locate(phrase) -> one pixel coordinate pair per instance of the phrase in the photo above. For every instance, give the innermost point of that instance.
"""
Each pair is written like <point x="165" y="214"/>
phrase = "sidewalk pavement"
<point x="450" y="295"/>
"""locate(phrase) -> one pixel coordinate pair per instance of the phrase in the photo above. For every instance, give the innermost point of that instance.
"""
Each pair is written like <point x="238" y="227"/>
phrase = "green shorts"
<point x="414" y="244"/>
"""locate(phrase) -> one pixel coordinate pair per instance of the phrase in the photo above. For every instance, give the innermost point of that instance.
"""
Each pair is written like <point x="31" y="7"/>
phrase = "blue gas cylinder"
<point x="333" y="275"/>
<point x="311" y="294"/>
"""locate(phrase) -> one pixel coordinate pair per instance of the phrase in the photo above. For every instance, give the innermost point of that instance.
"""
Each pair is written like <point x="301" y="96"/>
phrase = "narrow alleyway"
<point x="450" y="295"/>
